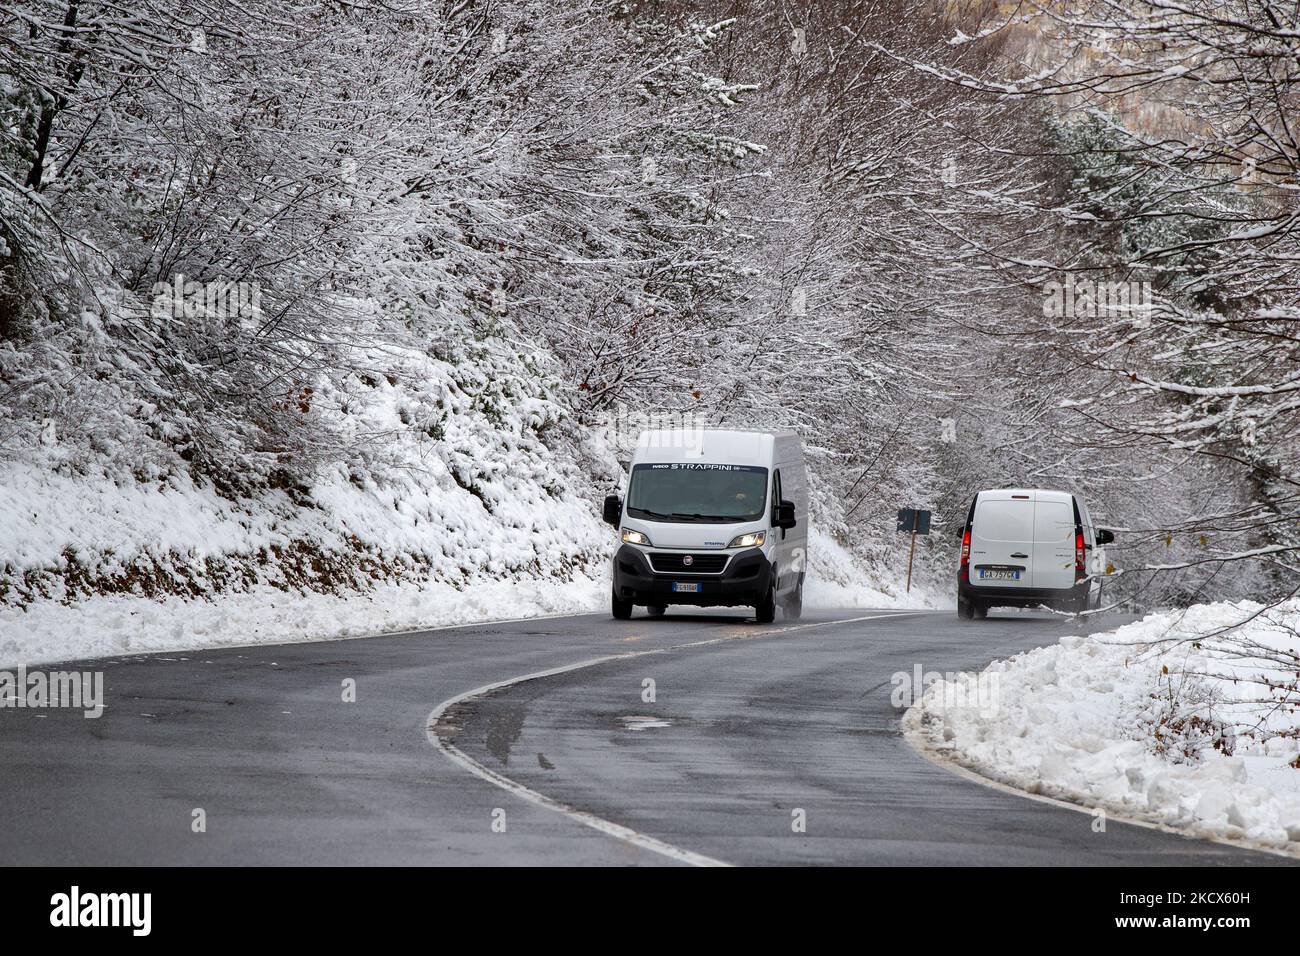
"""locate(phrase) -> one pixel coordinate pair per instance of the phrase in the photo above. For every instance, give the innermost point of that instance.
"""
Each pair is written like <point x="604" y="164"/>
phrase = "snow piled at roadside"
<point x="837" y="579"/>
<point x="113" y="625"/>
<point x="1161" y="720"/>
<point x="116" y="624"/>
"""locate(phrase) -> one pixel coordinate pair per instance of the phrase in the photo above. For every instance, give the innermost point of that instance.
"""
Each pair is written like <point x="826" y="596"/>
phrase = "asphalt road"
<point x="749" y="724"/>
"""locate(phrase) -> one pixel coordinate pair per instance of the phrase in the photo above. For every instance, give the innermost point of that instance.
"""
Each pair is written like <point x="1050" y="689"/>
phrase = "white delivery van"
<point x="1024" y="547"/>
<point x="712" y="518"/>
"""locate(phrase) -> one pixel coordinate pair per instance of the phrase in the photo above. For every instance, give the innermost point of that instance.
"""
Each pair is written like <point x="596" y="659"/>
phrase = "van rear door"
<point x="1002" y="540"/>
<point x="1054" y="527"/>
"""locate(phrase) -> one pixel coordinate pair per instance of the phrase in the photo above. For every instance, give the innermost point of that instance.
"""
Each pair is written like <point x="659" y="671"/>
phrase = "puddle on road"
<point x="503" y="729"/>
<point x="644" y="723"/>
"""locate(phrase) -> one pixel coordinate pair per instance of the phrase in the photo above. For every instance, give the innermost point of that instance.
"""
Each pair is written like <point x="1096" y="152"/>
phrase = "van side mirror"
<point x="785" y="515"/>
<point x="1105" y="536"/>
<point x="613" y="510"/>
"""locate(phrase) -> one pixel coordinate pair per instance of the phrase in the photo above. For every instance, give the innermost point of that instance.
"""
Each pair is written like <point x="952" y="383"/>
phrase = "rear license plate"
<point x="999" y="575"/>
<point x="689" y="588"/>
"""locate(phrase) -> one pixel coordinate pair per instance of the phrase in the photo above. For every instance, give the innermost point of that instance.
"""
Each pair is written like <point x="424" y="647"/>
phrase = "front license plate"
<point x="690" y="588"/>
<point x="1000" y="575"/>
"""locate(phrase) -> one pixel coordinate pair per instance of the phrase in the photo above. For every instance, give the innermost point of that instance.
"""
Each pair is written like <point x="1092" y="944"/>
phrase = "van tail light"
<point x="1080" y="557"/>
<point x="965" y="553"/>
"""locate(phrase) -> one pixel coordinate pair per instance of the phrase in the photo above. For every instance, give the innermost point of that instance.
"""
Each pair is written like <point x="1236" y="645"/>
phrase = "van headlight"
<point x="635" y="537"/>
<point x="754" y="539"/>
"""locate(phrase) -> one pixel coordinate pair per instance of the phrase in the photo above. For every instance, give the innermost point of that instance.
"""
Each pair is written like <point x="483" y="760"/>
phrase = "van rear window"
<point x="1005" y="520"/>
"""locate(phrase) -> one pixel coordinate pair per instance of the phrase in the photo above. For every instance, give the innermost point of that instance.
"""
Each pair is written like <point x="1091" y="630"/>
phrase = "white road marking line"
<point x="458" y="756"/>
<point x="618" y="831"/>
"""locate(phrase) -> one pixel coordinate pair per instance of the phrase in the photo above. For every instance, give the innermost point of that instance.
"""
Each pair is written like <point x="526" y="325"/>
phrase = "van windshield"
<point x="696" y="491"/>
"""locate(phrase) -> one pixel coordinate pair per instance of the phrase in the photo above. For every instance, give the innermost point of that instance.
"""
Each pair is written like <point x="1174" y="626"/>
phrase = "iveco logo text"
<point x="102" y="909"/>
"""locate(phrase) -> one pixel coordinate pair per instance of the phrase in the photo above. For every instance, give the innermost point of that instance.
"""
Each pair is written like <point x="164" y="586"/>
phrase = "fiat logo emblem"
<point x="688" y="560"/>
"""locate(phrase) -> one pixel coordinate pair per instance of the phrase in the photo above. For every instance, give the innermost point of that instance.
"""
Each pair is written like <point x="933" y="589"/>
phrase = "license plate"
<point x="1000" y="575"/>
<point x="688" y="588"/>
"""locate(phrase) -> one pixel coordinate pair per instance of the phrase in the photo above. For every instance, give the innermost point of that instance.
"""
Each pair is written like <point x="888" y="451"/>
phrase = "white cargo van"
<point x="712" y="518"/>
<point x="1024" y="547"/>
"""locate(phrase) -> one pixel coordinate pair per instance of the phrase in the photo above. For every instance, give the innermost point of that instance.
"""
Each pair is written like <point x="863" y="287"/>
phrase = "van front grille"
<point x="669" y="563"/>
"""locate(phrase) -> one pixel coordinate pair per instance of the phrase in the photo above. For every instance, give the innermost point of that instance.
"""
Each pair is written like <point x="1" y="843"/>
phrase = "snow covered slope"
<point x="474" y="497"/>
<point x="470" y="480"/>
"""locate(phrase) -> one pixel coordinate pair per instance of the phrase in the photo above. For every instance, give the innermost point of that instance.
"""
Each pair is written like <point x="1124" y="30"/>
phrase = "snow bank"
<point x="117" y="624"/>
<point x="1182" y="719"/>
<point x="837" y="579"/>
<point x="113" y="625"/>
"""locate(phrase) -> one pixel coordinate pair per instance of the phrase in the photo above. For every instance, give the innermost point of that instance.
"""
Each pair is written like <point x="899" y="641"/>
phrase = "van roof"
<point x="1035" y="494"/>
<point x="737" y="446"/>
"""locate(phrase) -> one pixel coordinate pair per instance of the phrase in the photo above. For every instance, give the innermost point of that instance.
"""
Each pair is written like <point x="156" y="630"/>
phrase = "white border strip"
<point x="618" y="831"/>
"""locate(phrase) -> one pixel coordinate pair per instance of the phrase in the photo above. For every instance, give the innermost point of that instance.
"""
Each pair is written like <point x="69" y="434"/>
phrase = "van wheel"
<point x="622" y="610"/>
<point x="965" y="608"/>
<point x="656" y="610"/>
<point x="792" y="609"/>
<point x="766" y="609"/>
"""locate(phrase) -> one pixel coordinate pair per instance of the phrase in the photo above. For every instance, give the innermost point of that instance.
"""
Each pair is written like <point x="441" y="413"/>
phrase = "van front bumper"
<point x="744" y="582"/>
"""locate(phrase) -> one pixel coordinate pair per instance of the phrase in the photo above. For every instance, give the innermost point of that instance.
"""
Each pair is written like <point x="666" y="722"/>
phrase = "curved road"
<point x="749" y="724"/>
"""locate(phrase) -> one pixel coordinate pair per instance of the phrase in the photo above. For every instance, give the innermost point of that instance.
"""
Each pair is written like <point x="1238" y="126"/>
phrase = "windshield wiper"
<point x="648" y="512"/>
<point x="694" y="516"/>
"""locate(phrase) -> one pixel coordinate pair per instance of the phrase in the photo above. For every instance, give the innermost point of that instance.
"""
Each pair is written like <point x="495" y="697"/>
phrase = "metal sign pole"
<point x="916" y="517"/>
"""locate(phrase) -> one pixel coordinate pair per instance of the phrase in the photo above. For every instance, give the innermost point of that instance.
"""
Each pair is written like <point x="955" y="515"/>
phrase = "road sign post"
<point x="911" y="553"/>
<point x="915" y="521"/>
